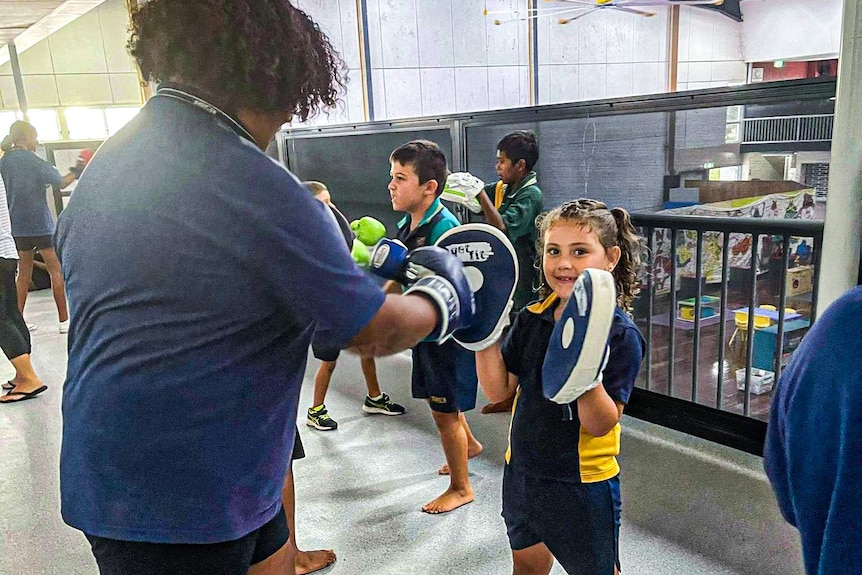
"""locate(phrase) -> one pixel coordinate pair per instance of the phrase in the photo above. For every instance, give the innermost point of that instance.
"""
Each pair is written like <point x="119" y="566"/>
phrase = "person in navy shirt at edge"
<point x="561" y="488"/>
<point x="26" y="176"/>
<point x="194" y="265"/>
<point x="813" y="452"/>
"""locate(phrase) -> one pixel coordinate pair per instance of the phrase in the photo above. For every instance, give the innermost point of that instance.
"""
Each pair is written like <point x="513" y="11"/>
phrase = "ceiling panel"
<point x="29" y="21"/>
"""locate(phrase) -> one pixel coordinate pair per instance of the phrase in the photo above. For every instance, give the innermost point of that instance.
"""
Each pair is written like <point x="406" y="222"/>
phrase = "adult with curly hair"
<point x="194" y="266"/>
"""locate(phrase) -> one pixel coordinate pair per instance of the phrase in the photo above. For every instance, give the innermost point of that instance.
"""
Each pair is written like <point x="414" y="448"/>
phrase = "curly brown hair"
<point x="262" y="55"/>
<point x="613" y="228"/>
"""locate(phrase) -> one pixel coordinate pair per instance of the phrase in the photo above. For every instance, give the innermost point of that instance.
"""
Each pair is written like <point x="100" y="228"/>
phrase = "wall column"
<point x="839" y="269"/>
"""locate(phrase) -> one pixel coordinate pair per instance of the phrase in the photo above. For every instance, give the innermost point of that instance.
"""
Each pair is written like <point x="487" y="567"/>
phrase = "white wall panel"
<point x="563" y="42"/>
<point x="620" y="36"/>
<point x="436" y="46"/>
<point x="649" y="78"/>
<point x="438" y="91"/>
<point x="562" y="84"/>
<point x="126" y="88"/>
<point x="355" y="103"/>
<point x="375" y="41"/>
<point x="471" y="89"/>
<point x="7" y="93"/>
<point x="469" y="34"/>
<point x="36" y="59"/>
<point x="41" y="91"/>
<point x="403" y="92"/>
<point x="113" y="22"/>
<point x="502" y="42"/>
<point x="791" y="29"/>
<point x="650" y="37"/>
<point x="83" y="90"/>
<point x="77" y="47"/>
<point x="503" y="87"/>
<point x="399" y="33"/>
<point x="619" y="80"/>
<point x="592" y="80"/>
<point x="592" y="40"/>
<point x="378" y="90"/>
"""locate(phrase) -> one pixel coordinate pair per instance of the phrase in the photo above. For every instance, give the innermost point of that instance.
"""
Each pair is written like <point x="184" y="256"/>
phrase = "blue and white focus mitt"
<point x="491" y="267"/>
<point x="578" y="350"/>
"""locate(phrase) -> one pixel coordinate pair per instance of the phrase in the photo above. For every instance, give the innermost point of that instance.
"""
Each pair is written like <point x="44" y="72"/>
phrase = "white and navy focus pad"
<point x="578" y="348"/>
<point x="491" y="267"/>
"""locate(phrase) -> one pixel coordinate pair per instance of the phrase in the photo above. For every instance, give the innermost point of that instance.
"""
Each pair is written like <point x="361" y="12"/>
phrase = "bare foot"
<point x="504" y="406"/>
<point x="311" y="561"/>
<point x="474" y="449"/>
<point x="450" y="500"/>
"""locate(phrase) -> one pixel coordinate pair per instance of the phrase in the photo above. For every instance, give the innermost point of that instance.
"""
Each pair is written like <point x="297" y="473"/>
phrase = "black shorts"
<point x="324" y="353"/>
<point x="445" y="375"/>
<point x="578" y="522"/>
<point x="298" y="448"/>
<point x="30" y="243"/>
<point x="228" y="558"/>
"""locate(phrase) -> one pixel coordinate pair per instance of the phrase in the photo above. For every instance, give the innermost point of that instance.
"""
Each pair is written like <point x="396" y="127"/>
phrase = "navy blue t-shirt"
<point x="197" y="269"/>
<point x="813" y="453"/>
<point x="26" y="176"/>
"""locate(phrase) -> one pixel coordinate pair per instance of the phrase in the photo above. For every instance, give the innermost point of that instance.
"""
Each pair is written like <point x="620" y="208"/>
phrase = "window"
<point x="46" y="123"/>
<point x="7" y="118"/>
<point x="118" y="117"/>
<point x="86" y="123"/>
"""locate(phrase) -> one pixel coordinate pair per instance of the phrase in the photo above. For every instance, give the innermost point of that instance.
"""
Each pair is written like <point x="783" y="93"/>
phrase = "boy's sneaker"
<point x="382" y="405"/>
<point x="318" y="418"/>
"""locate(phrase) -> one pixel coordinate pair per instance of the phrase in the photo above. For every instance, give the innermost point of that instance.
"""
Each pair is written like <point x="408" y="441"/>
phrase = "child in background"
<point x="376" y="401"/>
<point x="561" y="488"/>
<point x="444" y="374"/>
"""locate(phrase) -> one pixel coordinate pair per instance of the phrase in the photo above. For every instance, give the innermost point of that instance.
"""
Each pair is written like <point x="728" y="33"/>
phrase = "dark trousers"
<point x="14" y="335"/>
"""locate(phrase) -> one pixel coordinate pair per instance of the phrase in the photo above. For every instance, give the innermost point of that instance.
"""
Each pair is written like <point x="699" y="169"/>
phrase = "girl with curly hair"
<point x="561" y="488"/>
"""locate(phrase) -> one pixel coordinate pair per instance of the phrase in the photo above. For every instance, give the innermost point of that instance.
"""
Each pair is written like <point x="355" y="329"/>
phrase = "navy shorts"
<point x="578" y="522"/>
<point x="324" y="353"/>
<point x="445" y="375"/>
<point x="30" y="243"/>
<point x="228" y="558"/>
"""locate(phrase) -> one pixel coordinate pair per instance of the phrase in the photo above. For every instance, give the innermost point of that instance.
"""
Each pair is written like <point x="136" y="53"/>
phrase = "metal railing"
<point x="754" y="228"/>
<point x="786" y="129"/>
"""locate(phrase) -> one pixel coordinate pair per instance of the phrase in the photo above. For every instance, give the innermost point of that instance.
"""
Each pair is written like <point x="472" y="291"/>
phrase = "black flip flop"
<point x="8" y="386"/>
<point x="24" y="395"/>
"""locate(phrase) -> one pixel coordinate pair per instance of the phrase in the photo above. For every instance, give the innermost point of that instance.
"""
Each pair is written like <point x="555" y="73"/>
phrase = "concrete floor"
<point x="689" y="506"/>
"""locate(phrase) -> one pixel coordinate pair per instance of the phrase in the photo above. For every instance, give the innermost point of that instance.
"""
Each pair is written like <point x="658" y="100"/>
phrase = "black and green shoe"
<point x="383" y="405"/>
<point x="318" y="418"/>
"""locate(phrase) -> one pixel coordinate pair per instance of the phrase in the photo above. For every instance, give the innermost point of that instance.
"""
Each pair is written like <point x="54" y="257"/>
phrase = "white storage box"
<point x="762" y="380"/>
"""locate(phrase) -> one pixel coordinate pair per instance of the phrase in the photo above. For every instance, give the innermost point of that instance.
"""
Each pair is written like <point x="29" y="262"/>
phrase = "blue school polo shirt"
<point x="197" y="269"/>
<point x="26" y="176"/>
<point x="546" y="439"/>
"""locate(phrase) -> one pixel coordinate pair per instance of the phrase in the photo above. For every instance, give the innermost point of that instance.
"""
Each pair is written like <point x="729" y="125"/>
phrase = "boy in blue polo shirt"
<point x="444" y="374"/>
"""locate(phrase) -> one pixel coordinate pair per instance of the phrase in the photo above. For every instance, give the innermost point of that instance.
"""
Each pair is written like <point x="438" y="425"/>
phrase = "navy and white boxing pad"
<point x="578" y="349"/>
<point x="491" y="267"/>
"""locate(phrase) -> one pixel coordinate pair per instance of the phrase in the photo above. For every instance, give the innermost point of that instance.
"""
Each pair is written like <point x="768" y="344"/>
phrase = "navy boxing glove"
<point x="432" y="272"/>
<point x="578" y="350"/>
<point x="389" y="261"/>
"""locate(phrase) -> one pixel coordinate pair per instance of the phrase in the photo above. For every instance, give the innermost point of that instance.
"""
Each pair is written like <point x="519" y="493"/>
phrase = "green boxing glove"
<point x="368" y="230"/>
<point x="360" y="254"/>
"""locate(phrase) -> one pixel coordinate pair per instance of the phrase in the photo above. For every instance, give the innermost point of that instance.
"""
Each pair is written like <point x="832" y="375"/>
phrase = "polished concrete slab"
<point x="689" y="506"/>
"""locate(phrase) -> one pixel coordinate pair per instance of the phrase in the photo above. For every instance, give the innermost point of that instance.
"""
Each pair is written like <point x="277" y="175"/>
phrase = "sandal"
<point x="23" y="395"/>
<point x="8" y="386"/>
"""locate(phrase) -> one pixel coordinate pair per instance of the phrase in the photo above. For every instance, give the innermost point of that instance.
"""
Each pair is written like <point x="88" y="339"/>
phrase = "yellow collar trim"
<point x="541" y="306"/>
